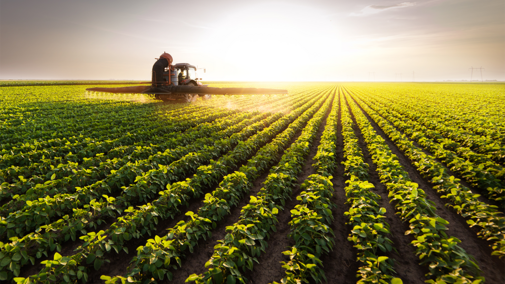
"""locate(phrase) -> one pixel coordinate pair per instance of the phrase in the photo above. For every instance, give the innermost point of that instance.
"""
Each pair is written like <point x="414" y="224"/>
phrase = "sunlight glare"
<point x="272" y="40"/>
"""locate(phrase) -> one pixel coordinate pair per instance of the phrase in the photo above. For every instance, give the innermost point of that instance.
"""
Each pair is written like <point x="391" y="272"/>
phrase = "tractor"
<point x="179" y="82"/>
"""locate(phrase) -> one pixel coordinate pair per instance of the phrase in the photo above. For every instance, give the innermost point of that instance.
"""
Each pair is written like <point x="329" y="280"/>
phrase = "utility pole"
<point x="413" y="76"/>
<point x="471" y="73"/>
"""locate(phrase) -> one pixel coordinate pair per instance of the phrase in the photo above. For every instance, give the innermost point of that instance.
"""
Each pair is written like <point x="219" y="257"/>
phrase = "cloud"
<point x="375" y="9"/>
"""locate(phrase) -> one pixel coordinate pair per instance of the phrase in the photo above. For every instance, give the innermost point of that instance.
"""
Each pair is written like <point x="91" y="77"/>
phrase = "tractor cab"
<point x="186" y="74"/>
<point x="181" y="74"/>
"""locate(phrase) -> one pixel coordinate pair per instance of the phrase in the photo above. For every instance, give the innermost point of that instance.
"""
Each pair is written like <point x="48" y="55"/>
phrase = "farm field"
<point x="335" y="182"/>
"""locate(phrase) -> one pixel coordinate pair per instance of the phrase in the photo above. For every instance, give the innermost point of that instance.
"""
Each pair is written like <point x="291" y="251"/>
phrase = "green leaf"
<point x="378" y="226"/>
<point x="91" y="258"/>
<point x="5" y="261"/>
<point x="382" y="258"/>
<point x="3" y="276"/>
<point x="310" y="266"/>
<point x="192" y="277"/>
<point x="231" y="279"/>
<point x="16" y="257"/>
<point x="229" y="263"/>
<point x="217" y="275"/>
<point x="98" y="263"/>
<point x="396" y="281"/>
<point x="433" y="223"/>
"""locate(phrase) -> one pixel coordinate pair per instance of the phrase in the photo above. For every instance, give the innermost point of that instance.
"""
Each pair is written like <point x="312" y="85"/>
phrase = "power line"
<point x="471" y="73"/>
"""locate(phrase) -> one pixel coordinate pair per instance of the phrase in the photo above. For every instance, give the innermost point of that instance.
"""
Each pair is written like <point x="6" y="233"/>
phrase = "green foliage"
<point x="246" y="239"/>
<point x="131" y="225"/>
<point x="434" y="247"/>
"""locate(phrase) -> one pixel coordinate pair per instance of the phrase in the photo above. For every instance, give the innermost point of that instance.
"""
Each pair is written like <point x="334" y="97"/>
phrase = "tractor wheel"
<point x="205" y="97"/>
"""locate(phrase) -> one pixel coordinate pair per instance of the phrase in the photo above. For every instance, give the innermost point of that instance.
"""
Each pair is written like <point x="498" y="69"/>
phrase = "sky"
<point x="238" y="40"/>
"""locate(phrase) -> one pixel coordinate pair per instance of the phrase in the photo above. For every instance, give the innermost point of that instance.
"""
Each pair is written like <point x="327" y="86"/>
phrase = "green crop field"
<point x="334" y="182"/>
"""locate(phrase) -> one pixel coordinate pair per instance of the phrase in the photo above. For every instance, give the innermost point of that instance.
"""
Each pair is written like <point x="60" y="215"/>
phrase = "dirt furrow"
<point x="340" y="264"/>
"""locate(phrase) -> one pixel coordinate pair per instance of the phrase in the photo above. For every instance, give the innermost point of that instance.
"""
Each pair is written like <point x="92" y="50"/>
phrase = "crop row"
<point x="370" y="231"/>
<point x="37" y="212"/>
<point x="53" y="131"/>
<point x="478" y="107"/>
<point x="70" y="225"/>
<point x="162" y="254"/>
<point x="77" y="117"/>
<point x="167" y="205"/>
<point x="17" y="112"/>
<point x="48" y="166"/>
<point x="99" y="167"/>
<point x="442" y="255"/>
<point x="38" y="243"/>
<point x="485" y="217"/>
<point x="477" y="149"/>
<point x="312" y="217"/>
<point x="468" y="131"/>
<point x="246" y="239"/>
<point x="102" y="124"/>
<point x="67" y="177"/>
<point x="310" y="229"/>
<point x="84" y="149"/>
<point x="482" y="176"/>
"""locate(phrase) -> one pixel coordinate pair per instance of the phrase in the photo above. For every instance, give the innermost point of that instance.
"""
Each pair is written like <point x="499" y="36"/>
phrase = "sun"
<point x="269" y="41"/>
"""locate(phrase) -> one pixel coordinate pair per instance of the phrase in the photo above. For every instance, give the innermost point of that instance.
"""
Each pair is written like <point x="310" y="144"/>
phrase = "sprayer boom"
<point x="200" y="90"/>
